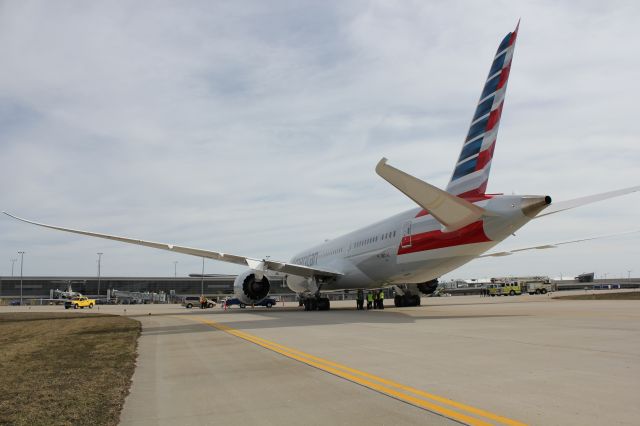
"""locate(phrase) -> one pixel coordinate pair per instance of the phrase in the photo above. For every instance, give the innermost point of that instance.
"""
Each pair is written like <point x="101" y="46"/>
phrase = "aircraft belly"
<point x="426" y="265"/>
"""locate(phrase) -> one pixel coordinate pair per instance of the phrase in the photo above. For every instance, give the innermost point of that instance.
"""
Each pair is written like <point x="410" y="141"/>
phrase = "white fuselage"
<point x="408" y="248"/>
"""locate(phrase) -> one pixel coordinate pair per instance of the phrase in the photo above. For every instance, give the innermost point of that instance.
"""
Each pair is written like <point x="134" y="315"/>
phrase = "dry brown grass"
<point x="65" y="368"/>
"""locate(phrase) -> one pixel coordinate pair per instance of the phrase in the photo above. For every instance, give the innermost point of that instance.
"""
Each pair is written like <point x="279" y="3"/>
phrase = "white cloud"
<point x="254" y="128"/>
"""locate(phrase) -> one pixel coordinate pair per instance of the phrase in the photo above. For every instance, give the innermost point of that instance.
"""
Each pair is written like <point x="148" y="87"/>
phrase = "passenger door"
<point x="405" y="242"/>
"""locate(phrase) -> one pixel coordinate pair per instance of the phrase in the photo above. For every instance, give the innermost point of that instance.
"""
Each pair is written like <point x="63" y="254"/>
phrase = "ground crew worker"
<point x="369" y="300"/>
<point x="360" y="300"/>
<point x="381" y="300"/>
<point x="203" y="302"/>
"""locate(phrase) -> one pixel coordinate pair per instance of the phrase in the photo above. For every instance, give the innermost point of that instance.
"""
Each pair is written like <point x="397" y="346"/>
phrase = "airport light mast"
<point x="13" y="261"/>
<point x="99" y="261"/>
<point x="202" y="279"/>
<point x="21" y="253"/>
<point x="175" y="269"/>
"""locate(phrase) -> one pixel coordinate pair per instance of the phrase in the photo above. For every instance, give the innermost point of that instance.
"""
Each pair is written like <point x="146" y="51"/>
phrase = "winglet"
<point x="451" y="211"/>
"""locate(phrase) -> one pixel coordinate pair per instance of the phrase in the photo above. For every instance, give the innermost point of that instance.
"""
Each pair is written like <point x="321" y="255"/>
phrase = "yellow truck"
<point x="505" y="289"/>
<point x="79" y="302"/>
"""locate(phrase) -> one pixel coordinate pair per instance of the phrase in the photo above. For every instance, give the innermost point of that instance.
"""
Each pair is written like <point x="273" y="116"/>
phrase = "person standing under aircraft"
<point x="381" y="299"/>
<point x="369" y="300"/>
<point x="360" y="299"/>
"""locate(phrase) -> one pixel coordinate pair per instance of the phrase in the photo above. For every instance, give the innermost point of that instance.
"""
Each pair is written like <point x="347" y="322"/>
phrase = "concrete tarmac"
<point x="510" y="360"/>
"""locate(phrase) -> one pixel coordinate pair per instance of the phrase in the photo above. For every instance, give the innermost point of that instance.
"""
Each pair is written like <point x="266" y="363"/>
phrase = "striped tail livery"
<point x="471" y="174"/>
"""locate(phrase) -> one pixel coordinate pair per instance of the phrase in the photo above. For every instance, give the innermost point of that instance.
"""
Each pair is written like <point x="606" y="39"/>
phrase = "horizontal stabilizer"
<point x="577" y="202"/>
<point x="451" y="211"/>
<point x="554" y="245"/>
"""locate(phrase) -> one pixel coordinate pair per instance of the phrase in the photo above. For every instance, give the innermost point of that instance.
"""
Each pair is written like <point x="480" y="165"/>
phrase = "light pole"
<point x="175" y="268"/>
<point x="629" y="274"/>
<point x="99" y="259"/>
<point x="13" y="261"/>
<point x="21" y="253"/>
<point x="202" y="279"/>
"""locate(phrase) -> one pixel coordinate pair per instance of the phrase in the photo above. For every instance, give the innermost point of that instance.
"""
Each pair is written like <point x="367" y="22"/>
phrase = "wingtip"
<point x="381" y="163"/>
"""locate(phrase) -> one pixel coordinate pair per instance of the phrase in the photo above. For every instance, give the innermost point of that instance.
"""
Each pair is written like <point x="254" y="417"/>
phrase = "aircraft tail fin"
<point x="471" y="173"/>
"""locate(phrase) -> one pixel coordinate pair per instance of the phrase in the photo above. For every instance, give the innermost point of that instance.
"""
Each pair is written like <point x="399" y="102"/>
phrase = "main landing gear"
<point x="316" y="303"/>
<point x="406" y="299"/>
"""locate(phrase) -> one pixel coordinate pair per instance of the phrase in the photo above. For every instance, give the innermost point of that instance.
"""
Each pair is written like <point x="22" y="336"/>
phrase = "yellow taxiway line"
<point x="419" y="398"/>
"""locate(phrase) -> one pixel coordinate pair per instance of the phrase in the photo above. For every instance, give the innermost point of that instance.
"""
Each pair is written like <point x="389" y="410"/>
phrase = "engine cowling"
<point x="249" y="288"/>
<point x="428" y="287"/>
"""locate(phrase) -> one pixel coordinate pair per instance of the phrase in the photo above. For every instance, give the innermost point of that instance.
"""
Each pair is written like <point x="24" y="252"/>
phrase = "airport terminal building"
<point x="45" y="287"/>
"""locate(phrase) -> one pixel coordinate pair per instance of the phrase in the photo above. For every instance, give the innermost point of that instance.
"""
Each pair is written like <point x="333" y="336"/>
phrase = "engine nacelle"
<point x="249" y="289"/>
<point x="428" y="287"/>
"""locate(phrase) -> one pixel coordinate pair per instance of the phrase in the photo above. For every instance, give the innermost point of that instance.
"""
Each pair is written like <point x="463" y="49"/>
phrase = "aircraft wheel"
<point x="324" y="304"/>
<point x="397" y="300"/>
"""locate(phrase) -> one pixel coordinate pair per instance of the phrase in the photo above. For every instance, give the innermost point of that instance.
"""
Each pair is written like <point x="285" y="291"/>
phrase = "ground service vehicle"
<point x="267" y="302"/>
<point x="191" y="301"/>
<point x="505" y="289"/>
<point x="79" y="302"/>
<point x="539" y="287"/>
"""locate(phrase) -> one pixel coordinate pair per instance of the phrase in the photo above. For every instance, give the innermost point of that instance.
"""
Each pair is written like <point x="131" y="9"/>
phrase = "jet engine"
<point x="428" y="287"/>
<point x="251" y="287"/>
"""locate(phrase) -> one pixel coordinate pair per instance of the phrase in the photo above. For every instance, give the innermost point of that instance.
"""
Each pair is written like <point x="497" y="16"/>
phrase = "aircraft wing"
<point x="258" y="264"/>
<point x="577" y="202"/>
<point x="550" y="246"/>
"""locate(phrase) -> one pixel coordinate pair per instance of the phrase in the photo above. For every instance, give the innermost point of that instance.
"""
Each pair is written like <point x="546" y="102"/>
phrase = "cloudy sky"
<point x="254" y="127"/>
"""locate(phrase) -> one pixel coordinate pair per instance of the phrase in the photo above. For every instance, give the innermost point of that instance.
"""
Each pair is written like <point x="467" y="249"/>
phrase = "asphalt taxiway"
<point x="471" y="360"/>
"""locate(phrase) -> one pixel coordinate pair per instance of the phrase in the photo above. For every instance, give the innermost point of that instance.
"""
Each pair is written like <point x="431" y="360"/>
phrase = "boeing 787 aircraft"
<point x="410" y="250"/>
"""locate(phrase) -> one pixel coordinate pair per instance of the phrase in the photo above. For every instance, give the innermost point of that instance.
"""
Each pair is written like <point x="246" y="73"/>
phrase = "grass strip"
<point x="65" y="368"/>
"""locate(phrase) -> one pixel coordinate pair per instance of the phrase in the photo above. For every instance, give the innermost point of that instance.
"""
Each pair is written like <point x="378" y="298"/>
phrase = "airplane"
<point x="411" y="250"/>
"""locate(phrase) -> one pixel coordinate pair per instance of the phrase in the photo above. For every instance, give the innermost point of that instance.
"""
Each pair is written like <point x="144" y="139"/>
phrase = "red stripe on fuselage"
<point x="473" y="233"/>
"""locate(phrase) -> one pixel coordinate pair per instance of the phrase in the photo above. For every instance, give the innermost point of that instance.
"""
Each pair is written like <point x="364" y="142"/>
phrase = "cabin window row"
<point x="384" y="236"/>
<point x="331" y="252"/>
